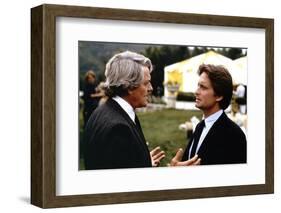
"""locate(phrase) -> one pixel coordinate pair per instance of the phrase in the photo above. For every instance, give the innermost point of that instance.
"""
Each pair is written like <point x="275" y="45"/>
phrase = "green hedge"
<point x="186" y="96"/>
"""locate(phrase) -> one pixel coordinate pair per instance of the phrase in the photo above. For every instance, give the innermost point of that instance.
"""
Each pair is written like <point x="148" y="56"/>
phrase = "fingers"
<point x="157" y="161"/>
<point x="176" y="160"/>
<point x="191" y="162"/>
<point x="159" y="156"/>
<point x="197" y="162"/>
<point x="155" y="150"/>
<point x="156" y="156"/>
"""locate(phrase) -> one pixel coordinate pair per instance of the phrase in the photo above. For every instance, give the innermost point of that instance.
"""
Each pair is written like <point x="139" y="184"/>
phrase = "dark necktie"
<point x="137" y="122"/>
<point x="197" y="134"/>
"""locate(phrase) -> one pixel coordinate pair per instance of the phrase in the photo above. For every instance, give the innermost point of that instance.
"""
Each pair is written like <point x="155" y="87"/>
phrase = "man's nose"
<point x="197" y="91"/>
<point x="150" y="88"/>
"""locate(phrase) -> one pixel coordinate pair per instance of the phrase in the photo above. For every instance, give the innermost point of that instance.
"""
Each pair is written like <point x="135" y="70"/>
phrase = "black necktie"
<point x="197" y="134"/>
<point x="137" y="122"/>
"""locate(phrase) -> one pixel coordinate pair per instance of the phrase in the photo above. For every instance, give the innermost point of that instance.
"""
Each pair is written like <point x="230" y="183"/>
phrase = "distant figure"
<point x="240" y="94"/>
<point x="101" y="92"/>
<point x="159" y="91"/>
<point x="189" y="126"/>
<point x="90" y="96"/>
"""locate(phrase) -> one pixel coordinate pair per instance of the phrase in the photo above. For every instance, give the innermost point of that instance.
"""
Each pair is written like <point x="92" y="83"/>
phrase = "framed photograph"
<point x="68" y="41"/>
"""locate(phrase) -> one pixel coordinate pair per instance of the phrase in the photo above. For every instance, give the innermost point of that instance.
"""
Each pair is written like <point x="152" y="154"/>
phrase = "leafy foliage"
<point x="94" y="55"/>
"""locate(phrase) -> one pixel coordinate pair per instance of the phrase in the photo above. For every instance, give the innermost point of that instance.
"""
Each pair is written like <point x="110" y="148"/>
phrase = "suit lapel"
<point x="138" y="126"/>
<point x="186" y="154"/>
<point x="136" y="129"/>
<point x="215" y="130"/>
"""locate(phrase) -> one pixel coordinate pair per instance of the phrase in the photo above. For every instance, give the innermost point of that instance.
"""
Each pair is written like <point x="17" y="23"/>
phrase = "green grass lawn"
<point x="161" y="128"/>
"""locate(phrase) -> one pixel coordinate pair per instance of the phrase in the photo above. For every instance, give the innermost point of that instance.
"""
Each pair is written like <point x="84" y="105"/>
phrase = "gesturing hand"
<point x="156" y="156"/>
<point x="176" y="161"/>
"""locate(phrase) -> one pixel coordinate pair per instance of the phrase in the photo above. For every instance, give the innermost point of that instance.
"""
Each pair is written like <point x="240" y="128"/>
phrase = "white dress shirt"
<point x="126" y="107"/>
<point x="209" y="122"/>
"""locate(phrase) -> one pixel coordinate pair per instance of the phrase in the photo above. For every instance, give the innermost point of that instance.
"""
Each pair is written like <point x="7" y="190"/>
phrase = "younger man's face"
<point x="206" y="99"/>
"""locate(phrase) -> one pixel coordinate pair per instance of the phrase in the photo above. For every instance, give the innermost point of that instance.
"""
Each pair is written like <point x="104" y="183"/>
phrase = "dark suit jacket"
<point x="225" y="143"/>
<point x="112" y="140"/>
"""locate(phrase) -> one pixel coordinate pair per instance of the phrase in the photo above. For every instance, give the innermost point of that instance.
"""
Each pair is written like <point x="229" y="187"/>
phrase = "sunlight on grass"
<point x="161" y="128"/>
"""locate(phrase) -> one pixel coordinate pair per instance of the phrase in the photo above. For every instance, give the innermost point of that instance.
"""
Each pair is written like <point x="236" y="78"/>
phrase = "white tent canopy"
<point x="185" y="72"/>
<point x="241" y="65"/>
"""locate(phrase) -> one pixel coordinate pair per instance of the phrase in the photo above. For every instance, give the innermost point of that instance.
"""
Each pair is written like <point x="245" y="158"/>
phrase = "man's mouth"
<point x="148" y="97"/>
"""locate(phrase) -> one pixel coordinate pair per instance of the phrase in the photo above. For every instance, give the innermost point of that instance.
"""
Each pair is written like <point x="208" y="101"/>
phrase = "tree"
<point x="162" y="56"/>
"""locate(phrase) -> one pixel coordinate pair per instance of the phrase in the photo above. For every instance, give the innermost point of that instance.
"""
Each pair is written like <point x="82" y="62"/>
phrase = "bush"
<point x="186" y="96"/>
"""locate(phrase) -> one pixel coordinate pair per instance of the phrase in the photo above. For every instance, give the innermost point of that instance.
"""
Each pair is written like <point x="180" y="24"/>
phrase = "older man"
<point x="113" y="136"/>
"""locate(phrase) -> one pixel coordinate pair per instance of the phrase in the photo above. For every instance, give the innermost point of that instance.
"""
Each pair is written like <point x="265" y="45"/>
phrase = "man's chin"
<point x="198" y="106"/>
<point x="143" y="105"/>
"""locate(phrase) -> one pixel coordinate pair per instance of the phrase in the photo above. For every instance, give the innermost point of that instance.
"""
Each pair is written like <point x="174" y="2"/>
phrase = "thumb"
<point x="179" y="154"/>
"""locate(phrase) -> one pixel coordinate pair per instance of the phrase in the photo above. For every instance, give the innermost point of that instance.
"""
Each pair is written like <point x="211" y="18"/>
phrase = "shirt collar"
<point x="213" y="118"/>
<point x="125" y="106"/>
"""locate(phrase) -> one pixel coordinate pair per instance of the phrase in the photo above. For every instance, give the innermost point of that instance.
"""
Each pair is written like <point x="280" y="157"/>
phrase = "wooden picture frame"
<point x="43" y="105"/>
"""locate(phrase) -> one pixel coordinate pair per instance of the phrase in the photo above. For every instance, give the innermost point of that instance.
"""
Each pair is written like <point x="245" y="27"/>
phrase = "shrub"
<point x="186" y="96"/>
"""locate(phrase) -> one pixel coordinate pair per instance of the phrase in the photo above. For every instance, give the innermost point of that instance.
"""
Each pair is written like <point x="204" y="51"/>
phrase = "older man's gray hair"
<point x="125" y="71"/>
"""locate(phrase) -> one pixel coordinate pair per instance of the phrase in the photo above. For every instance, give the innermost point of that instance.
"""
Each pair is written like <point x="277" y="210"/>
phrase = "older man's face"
<point x="140" y="95"/>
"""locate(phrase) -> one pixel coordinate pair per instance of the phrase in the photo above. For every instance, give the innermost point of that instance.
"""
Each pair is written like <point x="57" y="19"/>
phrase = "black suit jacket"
<point x="112" y="140"/>
<point x="225" y="143"/>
